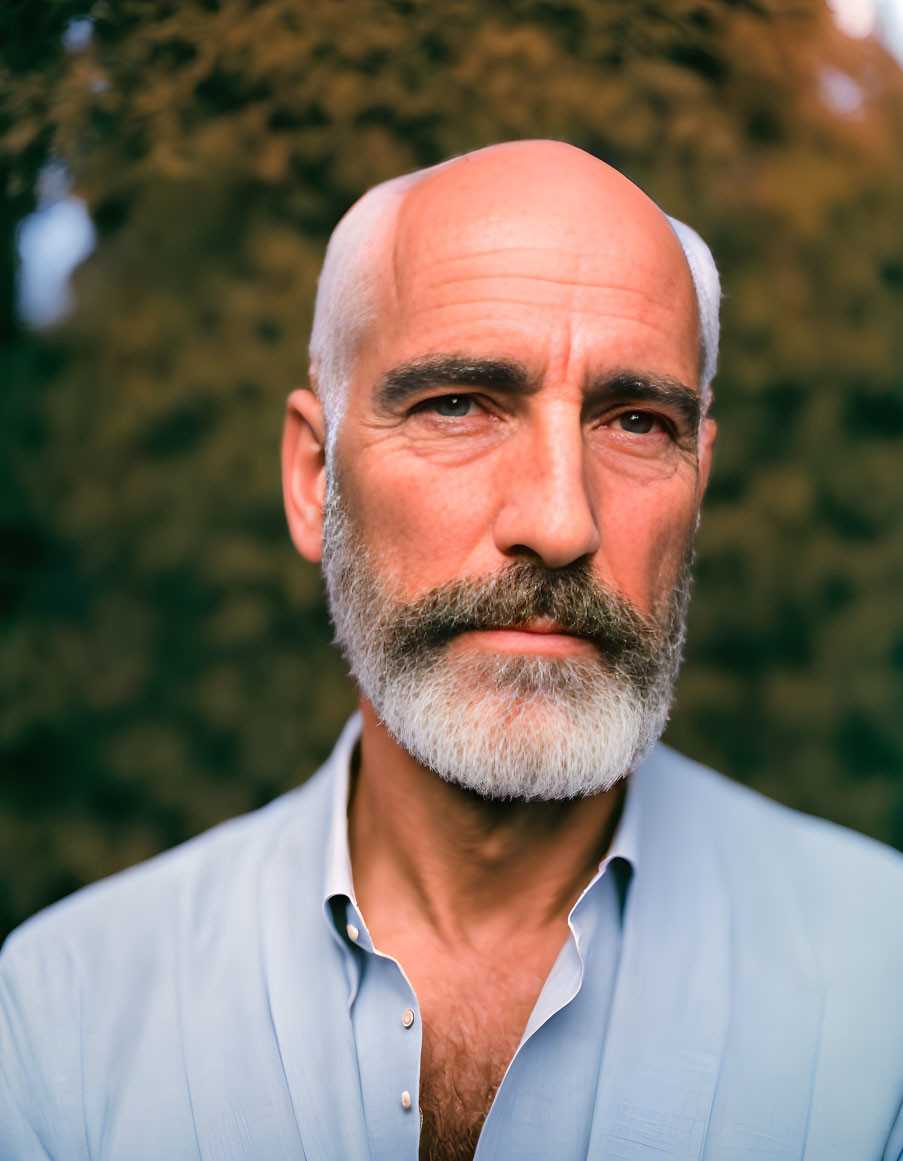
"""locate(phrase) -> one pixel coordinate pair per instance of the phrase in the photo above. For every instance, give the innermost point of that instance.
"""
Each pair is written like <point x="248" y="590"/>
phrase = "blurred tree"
<point x="166" y="657"/>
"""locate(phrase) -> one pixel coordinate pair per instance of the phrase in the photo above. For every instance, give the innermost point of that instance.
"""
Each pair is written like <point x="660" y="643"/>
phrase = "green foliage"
<point x="165" y="654"/>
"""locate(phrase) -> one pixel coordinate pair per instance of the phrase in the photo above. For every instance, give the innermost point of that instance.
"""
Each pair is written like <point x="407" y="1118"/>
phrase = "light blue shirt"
<point x="730" y="990"/>
<point x="544" y="1105"/>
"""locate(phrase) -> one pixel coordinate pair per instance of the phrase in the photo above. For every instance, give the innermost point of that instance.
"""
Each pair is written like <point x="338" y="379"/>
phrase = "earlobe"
<point x="304" y="471"/>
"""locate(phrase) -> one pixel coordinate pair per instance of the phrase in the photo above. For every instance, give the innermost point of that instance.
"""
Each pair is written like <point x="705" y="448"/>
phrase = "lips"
<point x="542" y="627"/>
<point x="541" y="637"/>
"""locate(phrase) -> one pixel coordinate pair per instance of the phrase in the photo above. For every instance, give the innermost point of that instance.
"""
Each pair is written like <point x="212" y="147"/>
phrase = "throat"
<point x="470" y="868"/>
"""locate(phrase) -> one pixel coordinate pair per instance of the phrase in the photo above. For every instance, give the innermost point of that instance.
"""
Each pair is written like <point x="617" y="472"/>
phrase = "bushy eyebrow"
<point x="409" y="379"/>
<point x="660" y="390"/>
<point x="406" y="380"/>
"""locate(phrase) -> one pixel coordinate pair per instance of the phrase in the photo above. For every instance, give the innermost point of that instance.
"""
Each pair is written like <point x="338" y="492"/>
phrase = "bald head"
<point x="549" y="193"/>
<point x="552" y="213"/>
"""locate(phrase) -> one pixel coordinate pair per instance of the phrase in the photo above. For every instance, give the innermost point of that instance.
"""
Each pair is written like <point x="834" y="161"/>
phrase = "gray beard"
<point x="502" y="726"/>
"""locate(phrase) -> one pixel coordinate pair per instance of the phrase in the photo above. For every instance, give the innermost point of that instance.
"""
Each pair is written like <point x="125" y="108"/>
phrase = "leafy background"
<point x="164" y="655"/>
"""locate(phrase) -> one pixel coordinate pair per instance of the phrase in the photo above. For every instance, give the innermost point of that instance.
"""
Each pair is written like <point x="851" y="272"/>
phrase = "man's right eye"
<point x="450" y="406"/>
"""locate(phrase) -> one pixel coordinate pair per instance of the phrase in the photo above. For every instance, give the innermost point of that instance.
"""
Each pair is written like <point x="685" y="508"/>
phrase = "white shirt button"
<point x="407" y="1017"/>
<point x="405" y="1099"/>
<point x="353" y="932"/>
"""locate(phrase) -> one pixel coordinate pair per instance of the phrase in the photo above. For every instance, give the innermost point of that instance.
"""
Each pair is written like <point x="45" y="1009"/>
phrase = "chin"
<point x="528" y="729"/>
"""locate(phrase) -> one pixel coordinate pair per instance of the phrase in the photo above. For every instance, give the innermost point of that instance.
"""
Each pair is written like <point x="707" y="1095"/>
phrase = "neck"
<point x="469" y="868"/>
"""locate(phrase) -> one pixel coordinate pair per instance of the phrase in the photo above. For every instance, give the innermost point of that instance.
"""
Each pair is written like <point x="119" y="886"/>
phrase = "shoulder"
<point x="94" y="985"/>
<point x="139" y="908"/>
<point x="845" y="887"/>
<point x="808" y="913"/>
<point x="751" y="818"/>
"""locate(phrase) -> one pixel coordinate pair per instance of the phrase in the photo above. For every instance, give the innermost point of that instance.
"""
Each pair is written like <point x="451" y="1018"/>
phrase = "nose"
<point x="547" y="509"/>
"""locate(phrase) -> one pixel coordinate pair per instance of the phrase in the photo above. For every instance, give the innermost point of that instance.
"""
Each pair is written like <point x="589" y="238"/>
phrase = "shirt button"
<point x="407" y="1017"/>
<point x="405" y="1099"/>
<point x="353" y="932"/>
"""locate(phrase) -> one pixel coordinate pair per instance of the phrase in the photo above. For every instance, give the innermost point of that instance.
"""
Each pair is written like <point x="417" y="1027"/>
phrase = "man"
<point x="501" y="921"/>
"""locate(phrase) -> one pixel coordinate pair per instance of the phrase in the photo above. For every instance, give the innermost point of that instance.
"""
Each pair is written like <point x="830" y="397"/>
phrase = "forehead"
<point x="542" y="262"/>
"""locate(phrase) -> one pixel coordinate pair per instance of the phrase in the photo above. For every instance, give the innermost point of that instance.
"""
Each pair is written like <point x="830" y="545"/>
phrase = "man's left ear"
<point x="304" y="471"/>
<point x="708" y="431"/>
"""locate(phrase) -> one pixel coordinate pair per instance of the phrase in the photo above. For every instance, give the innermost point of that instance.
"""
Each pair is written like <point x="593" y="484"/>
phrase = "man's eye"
<point x="451" y="406"/>
<point x="637" y="422"/>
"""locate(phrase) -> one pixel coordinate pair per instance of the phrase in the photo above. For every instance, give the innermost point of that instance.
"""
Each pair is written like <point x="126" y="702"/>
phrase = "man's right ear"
<point x="304" y="471"/>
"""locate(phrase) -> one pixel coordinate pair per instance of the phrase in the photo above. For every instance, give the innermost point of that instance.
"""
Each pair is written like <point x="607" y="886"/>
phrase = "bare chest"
<point x="473" y="1022"/>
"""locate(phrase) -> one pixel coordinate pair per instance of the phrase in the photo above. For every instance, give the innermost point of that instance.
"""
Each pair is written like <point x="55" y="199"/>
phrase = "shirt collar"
<point x="626" y="840"/>
<point x="338" y="880"/>
<point x="622" y="851"/>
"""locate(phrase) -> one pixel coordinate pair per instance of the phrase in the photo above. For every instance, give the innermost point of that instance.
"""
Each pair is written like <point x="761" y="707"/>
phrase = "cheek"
<point x="423" y="525"/>
<point x="645" y="531"/>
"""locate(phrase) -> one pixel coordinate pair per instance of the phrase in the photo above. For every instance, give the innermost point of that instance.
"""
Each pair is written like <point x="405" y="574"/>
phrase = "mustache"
<point x="631" y="641"/>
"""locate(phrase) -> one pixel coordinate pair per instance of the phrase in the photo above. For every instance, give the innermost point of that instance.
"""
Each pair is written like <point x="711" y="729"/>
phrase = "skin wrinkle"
<point x="396" y="259"/>
<point x="573" y="283"/>
<point x="566" y="344"/>
<point x="507" y="300"/>
<point x="495" y="251"/>
<point x="643" y="472"/>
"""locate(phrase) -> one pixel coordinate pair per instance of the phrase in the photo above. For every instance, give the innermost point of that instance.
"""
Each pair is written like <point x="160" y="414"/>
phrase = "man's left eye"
<point x="637" y="422"/>
<point x="451" y="406"/>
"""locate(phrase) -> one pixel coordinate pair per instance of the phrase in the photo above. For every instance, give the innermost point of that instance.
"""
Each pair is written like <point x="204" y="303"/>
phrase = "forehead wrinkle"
<point x="582" y="249"/>
<point x="570" y="307"/>
<point x="444" y="226"/>
<point x="511" y="248"/>
<point x="577" y="283"/>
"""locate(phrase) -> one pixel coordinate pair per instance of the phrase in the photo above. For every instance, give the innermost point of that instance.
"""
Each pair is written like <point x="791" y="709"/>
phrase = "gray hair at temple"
<point x="348" y="287"/>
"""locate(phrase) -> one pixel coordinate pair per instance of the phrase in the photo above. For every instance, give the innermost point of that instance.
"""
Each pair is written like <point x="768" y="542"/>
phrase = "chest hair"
<point x="472" y="1024"/>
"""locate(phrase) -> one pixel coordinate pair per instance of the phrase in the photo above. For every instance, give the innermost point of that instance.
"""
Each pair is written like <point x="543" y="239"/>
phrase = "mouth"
<point x="545" y="626"/>
<point x="542" y="635"/>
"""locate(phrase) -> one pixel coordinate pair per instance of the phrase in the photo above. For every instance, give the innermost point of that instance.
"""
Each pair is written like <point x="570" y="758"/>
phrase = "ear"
<point x="304" y="471"/>
<point x="708" y="432"/>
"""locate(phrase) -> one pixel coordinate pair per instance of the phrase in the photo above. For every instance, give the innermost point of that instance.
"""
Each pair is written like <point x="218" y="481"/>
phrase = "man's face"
<point x="523" y="419"/>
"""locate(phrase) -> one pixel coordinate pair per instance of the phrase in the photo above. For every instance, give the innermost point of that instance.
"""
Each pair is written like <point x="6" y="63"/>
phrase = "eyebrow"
<point x="399" y="384"/>
<point x="639" y="388"/>
<point x="407" y="380"/>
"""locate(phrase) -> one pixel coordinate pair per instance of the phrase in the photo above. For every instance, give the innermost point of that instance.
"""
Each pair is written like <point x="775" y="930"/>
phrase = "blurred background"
<point x="170" y="171"/>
